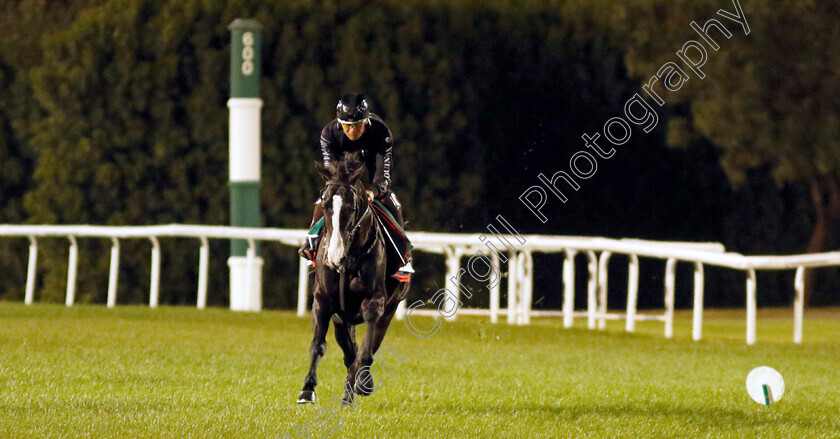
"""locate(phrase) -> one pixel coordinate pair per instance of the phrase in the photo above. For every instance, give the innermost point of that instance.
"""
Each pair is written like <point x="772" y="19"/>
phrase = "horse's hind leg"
<point x="399" y="292"/>
<point x="345" y="336"/>
<point x="382" y="326"/>
<point x="320" y="324"/>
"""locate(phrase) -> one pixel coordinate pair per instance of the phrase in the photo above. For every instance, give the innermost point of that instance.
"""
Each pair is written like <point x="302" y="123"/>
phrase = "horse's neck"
<point x="365" y="238"/>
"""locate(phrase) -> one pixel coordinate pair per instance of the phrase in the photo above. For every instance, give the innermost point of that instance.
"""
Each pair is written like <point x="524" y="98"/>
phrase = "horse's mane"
<point x="347" y="171"/>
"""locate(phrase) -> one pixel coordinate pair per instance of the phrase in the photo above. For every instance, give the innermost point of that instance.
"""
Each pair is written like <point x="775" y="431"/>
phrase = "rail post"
<point x="303" y="286"/>
<point x="592" y="290"/>
<point x="603" y="267"/>
<point x="798" y="304"/>
<point x="632" y="293"/>
<point x="697" y="314"/>
<point x="670" y="281"/>
<point x="203" y="264"/>
<point x="751" y="306"/>
<point x="154" y="288"/>
<point x="72" y="265"/>
<point x="495" y="288"/>
<point x="569" y="288"/>
<point x="114" y="273"/>
<point x="31" y="271"/>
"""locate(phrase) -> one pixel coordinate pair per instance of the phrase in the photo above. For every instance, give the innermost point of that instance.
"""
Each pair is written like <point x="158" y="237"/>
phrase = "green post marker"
<point x="245" y="106"/>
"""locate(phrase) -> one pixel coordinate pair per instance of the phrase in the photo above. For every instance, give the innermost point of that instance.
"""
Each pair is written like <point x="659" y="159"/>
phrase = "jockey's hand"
<point x="370" y="195"/>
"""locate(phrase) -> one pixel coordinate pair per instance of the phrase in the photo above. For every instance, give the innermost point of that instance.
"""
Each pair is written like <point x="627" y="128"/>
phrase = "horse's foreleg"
<point x="345" y="335"/>
<point x="359" y="374"/>
<point x="365" y="383"/>
<point x="320" y="324"/>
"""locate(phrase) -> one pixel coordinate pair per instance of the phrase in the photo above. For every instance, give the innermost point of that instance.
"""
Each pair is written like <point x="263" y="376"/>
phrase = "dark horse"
<point x="352" y="280"/>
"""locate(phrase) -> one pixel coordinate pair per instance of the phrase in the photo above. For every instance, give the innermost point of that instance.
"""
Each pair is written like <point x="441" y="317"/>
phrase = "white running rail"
<point x="456" y="246"/>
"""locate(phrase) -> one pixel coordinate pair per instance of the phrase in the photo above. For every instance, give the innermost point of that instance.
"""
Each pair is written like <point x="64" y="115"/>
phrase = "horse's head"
<point x="344" y="202"/>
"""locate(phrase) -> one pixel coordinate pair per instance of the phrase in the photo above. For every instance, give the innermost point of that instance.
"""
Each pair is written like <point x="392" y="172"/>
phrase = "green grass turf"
<point x="133" y="372"/>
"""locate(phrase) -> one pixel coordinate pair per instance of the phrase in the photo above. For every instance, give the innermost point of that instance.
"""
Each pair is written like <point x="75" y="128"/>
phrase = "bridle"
<point x="341" y="269"/>
<point x="359" y="218"/>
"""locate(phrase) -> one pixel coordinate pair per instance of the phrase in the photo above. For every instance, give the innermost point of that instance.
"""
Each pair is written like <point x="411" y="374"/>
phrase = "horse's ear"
<point x="323" y="170"/>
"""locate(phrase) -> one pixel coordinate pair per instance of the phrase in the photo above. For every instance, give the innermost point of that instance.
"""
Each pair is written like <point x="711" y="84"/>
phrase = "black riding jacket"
<point x="373" y="148"/>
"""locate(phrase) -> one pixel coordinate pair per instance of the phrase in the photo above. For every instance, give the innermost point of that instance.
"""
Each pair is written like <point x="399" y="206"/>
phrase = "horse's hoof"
<point x="306" y="397"/>
<point x="347" y="399"/>
<point x="362" y="389"/>
<point x="364" y="383"/>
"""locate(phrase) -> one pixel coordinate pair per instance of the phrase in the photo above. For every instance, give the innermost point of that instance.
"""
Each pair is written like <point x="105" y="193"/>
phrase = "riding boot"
<point x="310" y="244"/>
<point x="394" y="207"/>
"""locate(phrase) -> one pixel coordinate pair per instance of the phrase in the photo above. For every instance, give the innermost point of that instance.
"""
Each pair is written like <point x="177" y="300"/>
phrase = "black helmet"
<point x="352" y="108"/>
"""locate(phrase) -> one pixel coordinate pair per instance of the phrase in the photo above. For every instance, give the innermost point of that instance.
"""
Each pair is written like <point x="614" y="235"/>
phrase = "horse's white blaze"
<point x="335" y="251"/>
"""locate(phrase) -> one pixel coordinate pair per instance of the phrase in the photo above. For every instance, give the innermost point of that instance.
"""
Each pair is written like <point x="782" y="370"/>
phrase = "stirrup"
<point x="309" y="249"/>
<point x="404" y="273"/>
<point x="406" y="269"/>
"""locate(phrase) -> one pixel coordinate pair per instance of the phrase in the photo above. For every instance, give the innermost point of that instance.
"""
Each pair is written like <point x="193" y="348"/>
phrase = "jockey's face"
<point x="354" y="130"/>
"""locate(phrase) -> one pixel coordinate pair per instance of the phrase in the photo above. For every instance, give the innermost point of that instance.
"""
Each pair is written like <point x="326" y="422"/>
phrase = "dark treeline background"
<point x="114" y="112"/>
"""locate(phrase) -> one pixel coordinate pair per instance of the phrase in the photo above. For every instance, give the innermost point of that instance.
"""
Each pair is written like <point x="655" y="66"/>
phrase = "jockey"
<point x="356" y="129"/>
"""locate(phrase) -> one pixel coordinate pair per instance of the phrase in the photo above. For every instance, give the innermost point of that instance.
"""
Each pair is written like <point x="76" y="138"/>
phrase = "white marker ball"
<point x="765" y="385"/>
